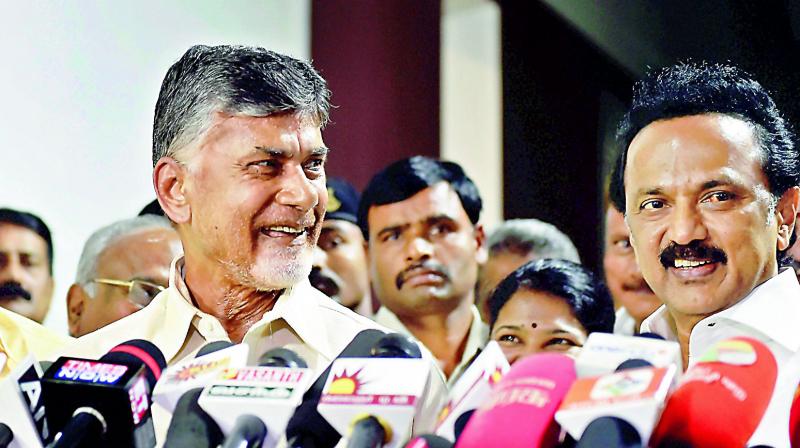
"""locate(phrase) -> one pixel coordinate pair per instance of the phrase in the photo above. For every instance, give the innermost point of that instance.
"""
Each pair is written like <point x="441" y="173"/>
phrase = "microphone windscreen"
<point x="649" y="335"/>
<point x="141" y="351"/>
<point x="191" y="426"/>
<point x="611" y="432"/>
<point x="530" y="392"/>
<point x="249" y="431"/>
<point x="461" y="422"/>
<point x="721" y="399"/>
<point x="633" y="363"/>
<point x="794" y="419"/>
<point x="212" y="347"/>
<point x="282" y="357"/>
<point x="6" y="435"/>
<point x="429" y="441"/>
<point x="396" y="345"/>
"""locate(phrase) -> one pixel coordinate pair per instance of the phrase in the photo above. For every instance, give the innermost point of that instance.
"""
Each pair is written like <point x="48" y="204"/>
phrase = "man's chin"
<point x="273" y="277"/>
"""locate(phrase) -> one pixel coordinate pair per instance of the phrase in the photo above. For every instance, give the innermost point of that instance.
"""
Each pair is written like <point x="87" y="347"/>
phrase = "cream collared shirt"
<point x="624" y="323"/>
<point x="477" y="338"/>
<point x="770" y="314"/>
<point x="20" y="336"/>
<point x="303" y="320"/>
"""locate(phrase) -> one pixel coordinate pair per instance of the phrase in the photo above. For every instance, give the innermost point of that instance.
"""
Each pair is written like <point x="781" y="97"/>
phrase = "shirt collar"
<point x="771" y="308"/>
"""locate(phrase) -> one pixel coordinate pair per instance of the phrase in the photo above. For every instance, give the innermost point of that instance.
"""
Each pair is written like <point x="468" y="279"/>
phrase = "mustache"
<point x="693" y="250"/>
<point x="14" y="289"/>
<point x="428" y="266"/>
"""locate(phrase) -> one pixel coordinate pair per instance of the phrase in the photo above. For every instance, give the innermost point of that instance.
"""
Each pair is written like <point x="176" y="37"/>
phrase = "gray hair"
<point x="235" y="80"/>
<point x="525" y="236"/>
<point x="105" y="237"/>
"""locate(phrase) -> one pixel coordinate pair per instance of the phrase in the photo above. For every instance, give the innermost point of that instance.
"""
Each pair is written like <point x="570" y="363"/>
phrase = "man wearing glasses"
<point x="122" y="268"/>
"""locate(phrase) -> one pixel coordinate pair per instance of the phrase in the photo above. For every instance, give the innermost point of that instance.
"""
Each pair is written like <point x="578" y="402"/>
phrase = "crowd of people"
<point x="249" y="241"/>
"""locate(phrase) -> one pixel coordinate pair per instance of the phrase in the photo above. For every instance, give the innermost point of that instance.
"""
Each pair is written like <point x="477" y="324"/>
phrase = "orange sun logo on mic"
<point x="344" y="384"/>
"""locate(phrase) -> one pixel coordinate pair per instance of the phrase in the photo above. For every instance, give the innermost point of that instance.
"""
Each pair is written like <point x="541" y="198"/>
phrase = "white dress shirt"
<point x="770" y="314"/>
<point x="624" y="323"/>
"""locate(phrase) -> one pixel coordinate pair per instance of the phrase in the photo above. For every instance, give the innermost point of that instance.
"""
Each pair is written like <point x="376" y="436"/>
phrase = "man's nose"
<point x="11" y="269"/>
<point x="419" y="248"/>
<point x="686" y="225"/>
<point x="297" y="190"/>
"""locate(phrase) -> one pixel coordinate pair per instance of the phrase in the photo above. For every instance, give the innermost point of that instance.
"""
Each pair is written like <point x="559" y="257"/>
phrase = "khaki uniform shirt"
<point x="303" y="320"/>
<point x="477" y="338"/>
<point x="20" y="336"/>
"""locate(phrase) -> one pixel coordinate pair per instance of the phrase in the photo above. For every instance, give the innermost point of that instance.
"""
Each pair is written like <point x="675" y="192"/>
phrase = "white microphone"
<point x="22" y="407"/>
<point x="604" y="352"/>
<point x="472" y="389"/>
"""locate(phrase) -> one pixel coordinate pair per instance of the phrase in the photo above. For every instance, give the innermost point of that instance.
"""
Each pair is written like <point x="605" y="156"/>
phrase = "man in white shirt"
<point x="420" y="218"/>
<point x="708" y="178"/>
<point x="239" y="168"/>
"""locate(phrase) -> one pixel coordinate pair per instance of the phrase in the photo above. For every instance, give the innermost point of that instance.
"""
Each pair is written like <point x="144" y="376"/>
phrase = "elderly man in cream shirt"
<point x="239" y="168"/>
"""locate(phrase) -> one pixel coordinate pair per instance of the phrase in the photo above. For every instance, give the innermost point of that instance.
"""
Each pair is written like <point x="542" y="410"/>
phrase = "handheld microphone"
<point x="634" y="395"/>
<point x="267" y="395"/>
<point x="6" y="435"/>
<point x="377" y="397"/>
<point x="461" y="423"/>
<point x="472" y="389"/>
<point x="191" y="426"/>
<point x="211" y="360"/>
<point x="104" y="402"/>
<point x="530" y="392"/>
<point x="22" y="407"/>
<point x="610" y="432"/>
<point x="603" y="352"/>
<point x="429" y="441"/>
<point x="721" y="399"/>
<point x="794" y="419"/>
<point x="307" y="428"/>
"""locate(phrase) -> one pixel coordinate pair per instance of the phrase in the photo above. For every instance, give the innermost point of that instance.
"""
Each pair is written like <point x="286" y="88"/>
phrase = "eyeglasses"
<point x="140" y="292"/>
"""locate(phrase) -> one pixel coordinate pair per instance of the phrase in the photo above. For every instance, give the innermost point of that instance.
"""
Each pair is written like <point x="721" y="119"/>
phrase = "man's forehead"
<point x="435" y="201"/>
<point x="16" y="237"/>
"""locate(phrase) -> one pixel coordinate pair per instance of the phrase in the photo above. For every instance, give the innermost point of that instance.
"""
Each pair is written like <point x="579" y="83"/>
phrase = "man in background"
<point x="514" y="243"/>
<point x="26" y="264"/>
<point x="340" y="258"/>
<point x="122" y="268"/>
<point x="420" y="217"/>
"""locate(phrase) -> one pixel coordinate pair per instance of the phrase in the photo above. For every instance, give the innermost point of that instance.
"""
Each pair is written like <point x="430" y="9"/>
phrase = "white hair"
<point x="526" y="236"/>
<point x="105" y="237"/>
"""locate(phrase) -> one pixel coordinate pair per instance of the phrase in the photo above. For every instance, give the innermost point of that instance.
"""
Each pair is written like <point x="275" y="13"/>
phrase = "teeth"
<point x="689" y="263"/>
<point x="285" y="229"/>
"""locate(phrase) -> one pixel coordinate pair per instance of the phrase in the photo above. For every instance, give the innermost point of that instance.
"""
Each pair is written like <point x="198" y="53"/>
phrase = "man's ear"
<point x="482" y="253"/>
<point x="786" y="215"/>
<point x="169" y="177"/>
<point x="76" y="300"/>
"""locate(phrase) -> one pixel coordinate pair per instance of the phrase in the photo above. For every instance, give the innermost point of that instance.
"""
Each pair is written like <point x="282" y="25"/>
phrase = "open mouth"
<point x="692" y="260"/>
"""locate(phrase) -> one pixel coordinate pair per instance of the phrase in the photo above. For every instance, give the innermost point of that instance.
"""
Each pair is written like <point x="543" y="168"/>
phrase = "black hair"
<point x="696" y="88"/>
<point x="33" y="223"/>
<point x="405" y="178"/>
<point x="581" y="289"/>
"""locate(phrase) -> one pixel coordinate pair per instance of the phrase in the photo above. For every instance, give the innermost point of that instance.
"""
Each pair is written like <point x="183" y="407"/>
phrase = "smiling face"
<point x="253" y="200"/>
<point x="623" y="276"/>
<point x="535" y="321"/>
<point x="423" y="252"/>
<point x="700" y="213"/>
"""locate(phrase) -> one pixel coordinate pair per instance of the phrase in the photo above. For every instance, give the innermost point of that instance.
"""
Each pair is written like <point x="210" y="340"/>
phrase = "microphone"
<point x="604" y="352"/>
<point x="520" y="410"/>
<point x="373" y="400"/>
<point x="104" y="402"/>
<point x="252" y="405"/>
<point x="721" y="399"/>
<point x="6" y="435"/>
<point x="191" y="426"/>
<point x="635" y="395"/>
<point x="472" y="388"/>
<point x="610" y="432"/>
<point x="461" y="423"/>
<point x="212" y="359"/>
<point x="22" y="407"/>
<point x="307" y="428"/>
<point x="429" y="441"/>
<point x="794" y="419"/>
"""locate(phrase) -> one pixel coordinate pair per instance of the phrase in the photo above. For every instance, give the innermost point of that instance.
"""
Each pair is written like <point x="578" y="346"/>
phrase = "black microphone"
<point x="429" y="441"/>
<point x="248" y="432"/>
<point x="6" y="435"/>
<point x="282" y="357"/>
<point x="191" y="426"/>
<point x="307" y="428"/>
<point x="104" y="402"/>
<point x="212" y="347"/>
<point x="610" y="432"/>
<point x="633" y="363"/>
<point x="461" y="422"/>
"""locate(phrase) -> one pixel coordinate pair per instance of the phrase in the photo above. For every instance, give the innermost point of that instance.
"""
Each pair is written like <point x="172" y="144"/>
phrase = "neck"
<point x="236" y="307"/>
<point x="683" y="325"/>
<point x="444" y="334"/>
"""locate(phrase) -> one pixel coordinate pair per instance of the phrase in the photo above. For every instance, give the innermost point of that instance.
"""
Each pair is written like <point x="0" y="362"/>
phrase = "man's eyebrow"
<point x="438" y="218"/>
<point x="281" y="153"/>
<point x="391" y="229"/>
<point x="320" y="151"/>
<point x="717" y="183"/>
<point x="653" y="191"/>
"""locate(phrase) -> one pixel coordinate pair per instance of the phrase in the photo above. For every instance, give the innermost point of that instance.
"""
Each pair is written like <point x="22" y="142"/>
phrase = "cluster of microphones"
<point x="620" y="391"/>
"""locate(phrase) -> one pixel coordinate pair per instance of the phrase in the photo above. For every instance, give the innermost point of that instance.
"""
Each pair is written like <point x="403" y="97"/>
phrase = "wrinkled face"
<point x="26" y="285"/>
<point x="535" y="321"/>
<point x="256" y="187"/>
<point x="700" y="214"/>
<point x="340" y="263"/>
<point x="423" y="252"/>
<point x="144" y="255"/>
<point x="496" y="268"/>
<point x="623" y="276"/>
